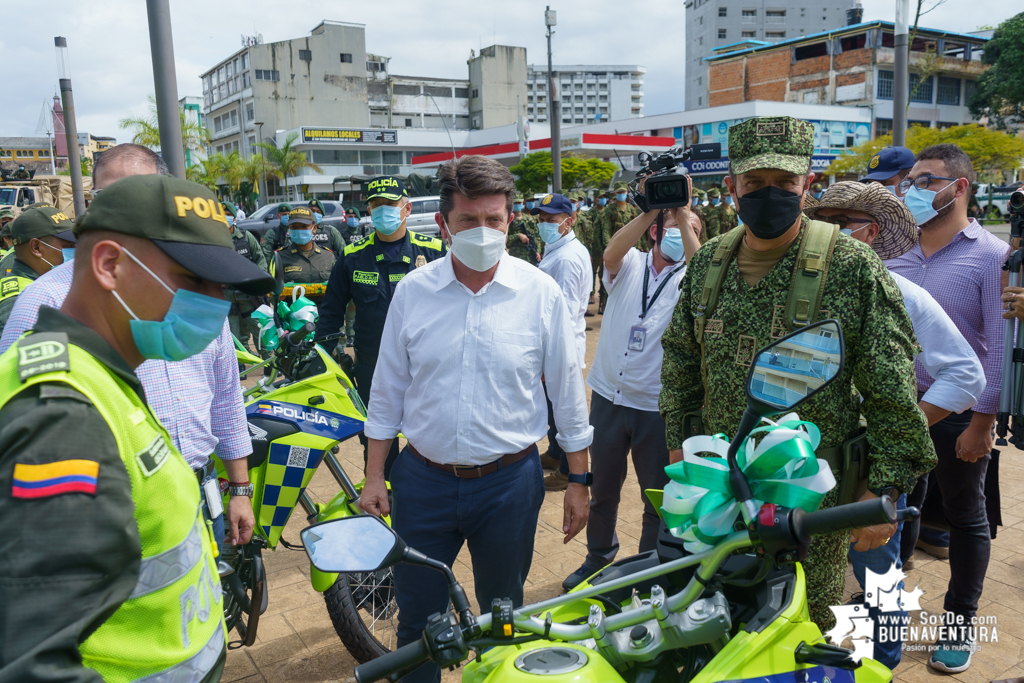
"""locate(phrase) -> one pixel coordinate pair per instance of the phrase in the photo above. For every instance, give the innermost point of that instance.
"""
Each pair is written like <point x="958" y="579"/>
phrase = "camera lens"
<point x="1017" y="201"/>
<point x="669" y="190"/>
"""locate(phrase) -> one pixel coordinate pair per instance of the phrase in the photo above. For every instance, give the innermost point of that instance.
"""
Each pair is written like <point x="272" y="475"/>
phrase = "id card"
<point x="637" y="336"/>
<point x="211" y="489"/>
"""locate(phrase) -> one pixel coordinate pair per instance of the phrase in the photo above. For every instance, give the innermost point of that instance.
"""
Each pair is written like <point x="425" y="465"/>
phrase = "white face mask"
<point x="477" y="248"/>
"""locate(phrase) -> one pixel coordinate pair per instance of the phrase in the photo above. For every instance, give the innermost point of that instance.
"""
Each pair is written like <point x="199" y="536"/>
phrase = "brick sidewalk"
<point x="298" y="644"/>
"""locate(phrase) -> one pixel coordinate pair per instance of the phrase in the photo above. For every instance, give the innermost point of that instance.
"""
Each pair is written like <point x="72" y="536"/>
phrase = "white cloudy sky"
<point x="112" y="71"/>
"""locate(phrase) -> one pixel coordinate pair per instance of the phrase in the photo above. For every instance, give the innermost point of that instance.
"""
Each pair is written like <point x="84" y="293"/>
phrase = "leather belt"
<point x="204" y="470"/>
<point x="474" y="472"/>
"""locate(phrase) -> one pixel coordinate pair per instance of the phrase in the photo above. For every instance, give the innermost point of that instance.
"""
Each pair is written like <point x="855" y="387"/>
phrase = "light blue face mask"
<point x="190" y="324"/>
<point x="920" y="203"/>
<point x="817" y="195"/>
<point x="549" y="231"/>
<point x="715" y="201"/>
<point x="386" y="219"/>
<point x="694" y="201"/>
<point x="621" y="196"/>
<point x="728" y="200"/>
<point x="672" y="245"/>
<point x="317" y="218"/>
<point x="531" y="205"/>
<point x="352" y="221"/>
<point x="284" y="219"/>
<point x="301" y="236"/>
<point x="69" y="254"/>
<point x="517" y="207"/>
<point x="602" y="201"/>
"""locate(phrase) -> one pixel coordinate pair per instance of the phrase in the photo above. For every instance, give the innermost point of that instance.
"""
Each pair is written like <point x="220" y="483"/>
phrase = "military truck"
<point x="50" y="189"/>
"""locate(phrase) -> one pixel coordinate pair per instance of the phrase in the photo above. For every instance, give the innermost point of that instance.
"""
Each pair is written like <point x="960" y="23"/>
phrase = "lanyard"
<point x="644" y="305"/>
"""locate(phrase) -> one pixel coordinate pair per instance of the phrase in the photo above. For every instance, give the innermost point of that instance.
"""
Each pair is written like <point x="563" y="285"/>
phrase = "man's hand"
<point x="871" y="537"/>
<point x="375" y="497"/>
<point x="524" y="239"/>
<point x="976" y="441"/>
<point x="1014" y="302"/>
<point x="577" y="510"/>
<point x="239" y="520"/>
<point x="675" y="456"/>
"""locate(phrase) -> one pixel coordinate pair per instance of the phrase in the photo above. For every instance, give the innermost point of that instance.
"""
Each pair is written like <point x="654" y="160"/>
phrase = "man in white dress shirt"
<point x="568" y="263"/>
<point x="465" y="344"/>
<point x="873" y="215"/>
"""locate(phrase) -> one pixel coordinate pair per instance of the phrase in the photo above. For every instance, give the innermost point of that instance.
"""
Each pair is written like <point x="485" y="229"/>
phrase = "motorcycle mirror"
<point x="278" y="275"/>
<point x="352" y="544"/>
<point x="787" y="372"/>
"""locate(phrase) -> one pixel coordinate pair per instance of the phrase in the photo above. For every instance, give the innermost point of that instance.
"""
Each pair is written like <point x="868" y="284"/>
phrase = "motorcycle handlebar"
<point x="845" y="517"/>
<point x="401" y="659"/>
<point x="296" y="337"/>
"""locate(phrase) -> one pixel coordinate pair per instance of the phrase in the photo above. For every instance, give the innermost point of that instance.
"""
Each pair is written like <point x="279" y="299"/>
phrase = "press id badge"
<point x="211" y="489"/>
<point x="637" y="336"/>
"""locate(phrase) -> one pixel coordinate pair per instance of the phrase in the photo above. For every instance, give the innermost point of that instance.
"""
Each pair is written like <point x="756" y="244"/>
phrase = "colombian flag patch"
<point x="55" y="478"/>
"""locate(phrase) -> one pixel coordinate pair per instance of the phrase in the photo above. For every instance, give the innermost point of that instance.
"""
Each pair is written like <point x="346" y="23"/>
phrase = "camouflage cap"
<point x="184" y="219"/>
<point x="620" y="185"/>
<point x="780" y="142"/>
<point x="700" y="193"/>
<point x="713" y="193"/>
<point x="897" y="227"/>
<point x="517" y="198"/>
<point x="41" y="222"/>
<point x="607" y="194"/>
<point x="6" y="213"/>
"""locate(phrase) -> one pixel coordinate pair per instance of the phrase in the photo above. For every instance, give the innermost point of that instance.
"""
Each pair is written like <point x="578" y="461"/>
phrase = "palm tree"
<point x="284" y="161"/>
<point x="254" y="168"/>
<point x="231" y="170"/>
<point x="146" y="130"/>
<point x="204" y="173"/>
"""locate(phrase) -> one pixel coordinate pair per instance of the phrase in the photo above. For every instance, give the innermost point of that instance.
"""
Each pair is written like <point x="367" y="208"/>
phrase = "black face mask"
<point x="769" y="212"/>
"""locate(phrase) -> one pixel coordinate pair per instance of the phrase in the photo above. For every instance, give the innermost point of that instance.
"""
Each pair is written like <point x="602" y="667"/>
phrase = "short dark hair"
<point x="473" y="177"/>
<point x="129" y="151"/>
<point x="956" y="161"/>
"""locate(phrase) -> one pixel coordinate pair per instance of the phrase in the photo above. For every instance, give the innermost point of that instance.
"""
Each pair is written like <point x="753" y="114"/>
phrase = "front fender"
<point x="336" y="508"/>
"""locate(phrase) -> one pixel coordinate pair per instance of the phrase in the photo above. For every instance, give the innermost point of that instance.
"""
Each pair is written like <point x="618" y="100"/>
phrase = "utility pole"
<point x="263" y="161"/>
<point x="166" y="84"/>
<point x="554" y="110"/>
<point x="901" y="74"/>
<point x="70" y="127"/>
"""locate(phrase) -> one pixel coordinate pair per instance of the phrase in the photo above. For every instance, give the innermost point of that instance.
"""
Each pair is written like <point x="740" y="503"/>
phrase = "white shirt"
<point x="459" y="373"/>
<point x="945" y="353"/>
<point x="568" y="262"/>
<point x="240" y="214"/>
<point x="633" y="378"/>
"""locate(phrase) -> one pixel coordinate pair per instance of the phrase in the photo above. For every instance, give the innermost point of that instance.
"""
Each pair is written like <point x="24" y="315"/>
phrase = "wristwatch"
<point x="587" y="478"/>
<point x="891" y="491"/>
<point x="245" y="489"/>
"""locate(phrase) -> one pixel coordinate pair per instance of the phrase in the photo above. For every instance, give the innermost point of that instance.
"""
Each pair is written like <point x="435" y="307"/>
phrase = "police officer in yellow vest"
<point x="107" y="571"/>
<point x="40" y="236"/>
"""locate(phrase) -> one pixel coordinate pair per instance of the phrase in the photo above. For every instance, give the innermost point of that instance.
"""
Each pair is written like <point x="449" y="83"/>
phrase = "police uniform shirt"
<point x="67" y="561"/>
<point x="18" y="270"/>
<point x="368" y="276"/>
<point x="313" y="265"/>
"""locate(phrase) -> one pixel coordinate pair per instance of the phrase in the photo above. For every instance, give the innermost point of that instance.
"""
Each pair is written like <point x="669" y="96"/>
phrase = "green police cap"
<point x="184" y="220"/>
<point x="386" y="186"/>
<point x="284" y="208"/>
<point x="620" y="185"/>
<point x="300" y="215"/>
<point x="230" y="208"/>
<point x="316" y="204"/>
<point x="714" y="193"/>
<point x="42" y="222"/>
<point x="780" y="142"/>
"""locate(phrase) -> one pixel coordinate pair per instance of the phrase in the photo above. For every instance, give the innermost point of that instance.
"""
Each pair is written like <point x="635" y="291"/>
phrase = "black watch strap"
<point x="587" y="478"/>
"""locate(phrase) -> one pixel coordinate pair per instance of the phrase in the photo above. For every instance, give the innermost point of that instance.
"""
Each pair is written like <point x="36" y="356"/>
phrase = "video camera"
<point x="1015" y="207"/>
<point x="665" y="188"/>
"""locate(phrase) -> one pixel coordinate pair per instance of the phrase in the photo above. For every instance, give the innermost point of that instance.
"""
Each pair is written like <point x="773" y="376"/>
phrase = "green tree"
<point x="86" y="168"/>
<point x="204" y="172"/>
<point x="285" y="161"/>
<point x="146" y="130"/>
<point x="580" y="172"/>
<point x="254" y="169"/>
<point x="533" y="173"/>
<point x="1000" y="92"/>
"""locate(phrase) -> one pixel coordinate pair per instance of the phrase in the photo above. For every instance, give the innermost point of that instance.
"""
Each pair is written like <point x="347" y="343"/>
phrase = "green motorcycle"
<point x="297" y="415"/>
<point x="734" y="612"/>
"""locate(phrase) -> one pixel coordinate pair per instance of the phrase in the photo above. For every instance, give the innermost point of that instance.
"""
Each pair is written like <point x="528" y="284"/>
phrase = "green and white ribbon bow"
<point x="698" y="503"/>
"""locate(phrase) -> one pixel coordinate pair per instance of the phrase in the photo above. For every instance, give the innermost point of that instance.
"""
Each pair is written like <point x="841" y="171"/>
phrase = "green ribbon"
<point x="698" y="503"/>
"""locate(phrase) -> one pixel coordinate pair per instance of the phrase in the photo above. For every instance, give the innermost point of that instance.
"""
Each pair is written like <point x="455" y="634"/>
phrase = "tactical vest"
<point x="13" y="286"/>
<point x="171" y="627"/>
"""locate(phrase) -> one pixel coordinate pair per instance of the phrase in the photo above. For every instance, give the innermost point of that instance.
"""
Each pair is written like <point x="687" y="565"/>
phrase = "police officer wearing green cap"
<point x="367" y="272"/>
<point x="303" y="261"/>
<point x="276" y="238"/>
<point x="242" y="305"/>
<point x="325" y="235"/>
<point x="522" y="241"/>
<point x="109" y="572"/>
<point x="40" y="236"/>
<point x="736" y="298"/>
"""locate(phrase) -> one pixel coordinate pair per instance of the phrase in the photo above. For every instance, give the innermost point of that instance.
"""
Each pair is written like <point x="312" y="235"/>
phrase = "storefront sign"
<point x="374" y="136"/>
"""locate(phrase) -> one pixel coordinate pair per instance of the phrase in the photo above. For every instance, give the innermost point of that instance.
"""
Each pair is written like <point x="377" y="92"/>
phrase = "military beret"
<point x="42" y="222"/>
<point x="780" y="142"/>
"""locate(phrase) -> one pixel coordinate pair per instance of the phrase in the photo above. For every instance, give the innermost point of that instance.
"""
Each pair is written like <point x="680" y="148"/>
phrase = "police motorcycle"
<point x="297" y="415"/>
<point x="735" y="611"/>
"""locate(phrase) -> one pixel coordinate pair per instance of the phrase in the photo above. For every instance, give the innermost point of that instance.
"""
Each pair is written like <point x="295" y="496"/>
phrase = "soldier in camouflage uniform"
<point x="710" y="216"/>
<point x="720" y="215"/>
<point x="523" y="238"/>
<point x="770" y="158"/>
<point x="699" y="208"/>
<point x="601" y="200"/>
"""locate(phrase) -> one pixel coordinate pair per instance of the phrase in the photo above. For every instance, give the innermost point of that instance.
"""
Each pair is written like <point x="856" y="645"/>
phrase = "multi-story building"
<point x="712" y="24"/>
<point x="589" y="93"/>
<point x="33" y="152"/>
<point x="852" y="66"/>
<point x="91" y="146"/>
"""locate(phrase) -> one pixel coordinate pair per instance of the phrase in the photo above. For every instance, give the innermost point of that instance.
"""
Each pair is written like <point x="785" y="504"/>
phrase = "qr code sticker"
<point x="298" y="456"/>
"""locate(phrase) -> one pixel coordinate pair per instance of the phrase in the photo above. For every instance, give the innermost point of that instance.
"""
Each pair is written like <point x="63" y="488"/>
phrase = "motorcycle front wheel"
<point x="364" y="613"/>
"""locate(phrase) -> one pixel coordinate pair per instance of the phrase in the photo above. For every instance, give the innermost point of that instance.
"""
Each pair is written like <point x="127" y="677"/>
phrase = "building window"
<point x="346" y="58"/>
<point x="234" y="118"/>
<point x="245" y="80"/>
<point x="475" y="93"/>
<point x="853" y="42"/>
<point x="306" y="55"/>
<point x="922" y="93"/>
<point x="252" y="142"/>
<point x="775" y="16"/>
<point x="700" y="40"/>
<point x="408" y="123"/>
<point x="245" y="61"/>
<point x="750" y="16"/>
<point x="775" y="34"/>
<point x="949" y="91"/>
<point x="250" y="113"/>
<point x="943" y="125"/>
<point x="748" y="34"/>
<point x="970" y="87"/>
<point x="267" y="75"/>
<point x="723" y="11"/>
<point x="885" y="87"/>
<point x="700" y="101"/>
<point x="721" y="33"/>
<point x="44" y="154"/>
<point x="806" y="51"/>
<point x="216" y="124"/>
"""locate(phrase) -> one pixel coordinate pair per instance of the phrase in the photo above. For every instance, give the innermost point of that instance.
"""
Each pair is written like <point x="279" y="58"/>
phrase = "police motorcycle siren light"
<point x="1010" y="419"/>
<point x="666" y="188"/>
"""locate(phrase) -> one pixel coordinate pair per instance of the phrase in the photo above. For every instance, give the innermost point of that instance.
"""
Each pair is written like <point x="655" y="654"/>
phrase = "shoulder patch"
<point x="360" y="243"/>
<point x="41" y="353"/>
<point x="9" y="286"/>
<point x="48" y="391"/>
<point x="425" y="240"/>
<point x="55" y="478"/>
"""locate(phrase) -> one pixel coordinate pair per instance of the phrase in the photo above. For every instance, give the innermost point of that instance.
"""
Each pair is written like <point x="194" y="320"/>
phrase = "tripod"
<point x="1010" y="419"/>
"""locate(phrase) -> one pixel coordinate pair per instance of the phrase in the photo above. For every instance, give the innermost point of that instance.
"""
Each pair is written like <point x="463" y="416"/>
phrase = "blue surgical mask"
<point x="715" y="201"/>
<point x="531" y="205"/>
<point x="386" y="219"/>
<point x="352" y="221"/>
<point x="602" y="201"/>
<point x="728" y="200"/>
<point x="69" y="254"/>
<point x="621" y="196"/>
<point x="190" y="324"/>
<point x="317" y="218"/>
<point x="817" y="195"/>
<point x="549" y="231"/>
<point x="920" y="203"/>
<point x="301" y="235"/>
<point x="849" y="231"/>
<point x="694" y="201"/>
<point x="672" y="245"/>
<point x="517" y="207"/>
<point x="284" y="219"/>
<point x="891" y="188"/>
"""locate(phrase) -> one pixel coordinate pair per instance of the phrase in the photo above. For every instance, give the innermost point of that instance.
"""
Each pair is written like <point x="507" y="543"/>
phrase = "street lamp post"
<point x="263" y="161"/>
<point x="554" y="110"/>
<point x="166" y="85"/>
<point x="901" y="73"/>
<point x="70" y="126"/>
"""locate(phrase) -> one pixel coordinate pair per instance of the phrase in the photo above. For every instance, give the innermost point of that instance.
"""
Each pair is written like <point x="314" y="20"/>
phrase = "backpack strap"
<point x="713" y="279"/>
<point x="810" y="273"/>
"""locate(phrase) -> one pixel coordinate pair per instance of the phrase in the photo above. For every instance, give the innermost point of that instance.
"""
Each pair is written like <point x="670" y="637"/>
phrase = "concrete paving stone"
<point x="273" y="626"/>
<point x="287" y="577"/>
<point x="327" y="665"/>
<point x="238" y="666"/>
<point x="257" y="678"/>
<point x="290" y="597"/>
<point x="267" y="653"/>
<point x="313" y="625"/>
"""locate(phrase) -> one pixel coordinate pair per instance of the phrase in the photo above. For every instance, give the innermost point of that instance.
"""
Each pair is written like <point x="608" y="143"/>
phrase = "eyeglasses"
<point x="921" y="182"/>
<point x="843" y="221"/>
